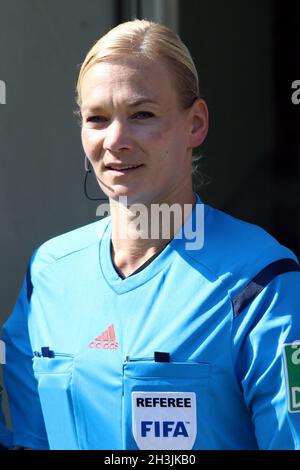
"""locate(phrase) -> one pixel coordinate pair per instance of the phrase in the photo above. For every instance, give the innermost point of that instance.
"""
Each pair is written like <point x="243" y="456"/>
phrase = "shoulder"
<point x="68" y="244"/>
<point x="236" y="249"/>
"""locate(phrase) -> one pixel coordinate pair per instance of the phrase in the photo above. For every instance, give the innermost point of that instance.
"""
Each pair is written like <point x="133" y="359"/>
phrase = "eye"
<point x="96" y="119"/>
<point x="143" y="115"/>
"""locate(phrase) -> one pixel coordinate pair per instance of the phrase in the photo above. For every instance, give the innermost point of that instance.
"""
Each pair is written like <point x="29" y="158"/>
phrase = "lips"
<point x="121" y="168"/>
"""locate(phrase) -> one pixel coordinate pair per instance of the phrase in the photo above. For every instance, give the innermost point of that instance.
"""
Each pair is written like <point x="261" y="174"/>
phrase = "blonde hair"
<point x="147" y="40"/>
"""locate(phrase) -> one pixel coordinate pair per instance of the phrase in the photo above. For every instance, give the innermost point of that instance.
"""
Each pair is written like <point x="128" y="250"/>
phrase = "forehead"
<point x="127" y="80"/>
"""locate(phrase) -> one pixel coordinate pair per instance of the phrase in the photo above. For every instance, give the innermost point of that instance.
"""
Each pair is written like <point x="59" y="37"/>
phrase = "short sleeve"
<point x="262" y="334"/>
<point x="21" y="385"/>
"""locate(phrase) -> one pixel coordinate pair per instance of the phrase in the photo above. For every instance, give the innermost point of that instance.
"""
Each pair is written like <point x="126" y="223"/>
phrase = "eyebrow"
<point x="131" y="103"/>
<point x="140" y="101"/>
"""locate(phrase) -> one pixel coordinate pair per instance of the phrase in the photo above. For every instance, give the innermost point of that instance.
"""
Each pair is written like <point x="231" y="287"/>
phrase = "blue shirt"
<point x="85" y="364"/>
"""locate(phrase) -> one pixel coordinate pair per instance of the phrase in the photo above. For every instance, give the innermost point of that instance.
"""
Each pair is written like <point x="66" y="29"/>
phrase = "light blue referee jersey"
<point x="198" y="350"/>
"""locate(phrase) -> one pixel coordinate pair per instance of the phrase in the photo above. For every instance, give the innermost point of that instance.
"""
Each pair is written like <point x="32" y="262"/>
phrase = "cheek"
<point x="168" y="146"/>
<point x="158" y="141"/>
<point x="157" y="134"/>
<point x="91" y="140"/>
<point x="152" y="136"/>
<point x="168" y="136"/>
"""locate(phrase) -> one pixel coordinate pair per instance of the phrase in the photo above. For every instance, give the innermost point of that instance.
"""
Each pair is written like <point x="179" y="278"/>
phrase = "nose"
<point x="117" y="137"/>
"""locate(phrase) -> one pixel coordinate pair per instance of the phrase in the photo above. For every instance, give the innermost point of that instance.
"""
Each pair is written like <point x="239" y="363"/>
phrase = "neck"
<point x="139" y="231"/>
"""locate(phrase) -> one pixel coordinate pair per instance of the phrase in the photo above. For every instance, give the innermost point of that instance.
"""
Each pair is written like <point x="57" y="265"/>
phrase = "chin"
<point x="116" y="192"/>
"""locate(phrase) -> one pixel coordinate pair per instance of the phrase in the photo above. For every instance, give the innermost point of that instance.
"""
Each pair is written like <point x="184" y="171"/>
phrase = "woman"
<point x="127" y="334"/>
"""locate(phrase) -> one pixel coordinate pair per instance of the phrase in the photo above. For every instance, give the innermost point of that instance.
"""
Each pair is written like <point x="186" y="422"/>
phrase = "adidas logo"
<point x="107" y="340"/>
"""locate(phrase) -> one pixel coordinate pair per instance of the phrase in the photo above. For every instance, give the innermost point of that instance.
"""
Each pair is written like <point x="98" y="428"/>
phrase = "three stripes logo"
<point x="107" y="340"/>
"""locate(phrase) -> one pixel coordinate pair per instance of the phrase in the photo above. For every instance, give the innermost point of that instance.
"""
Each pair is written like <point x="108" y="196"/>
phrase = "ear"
<point x="198" y="123"/>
